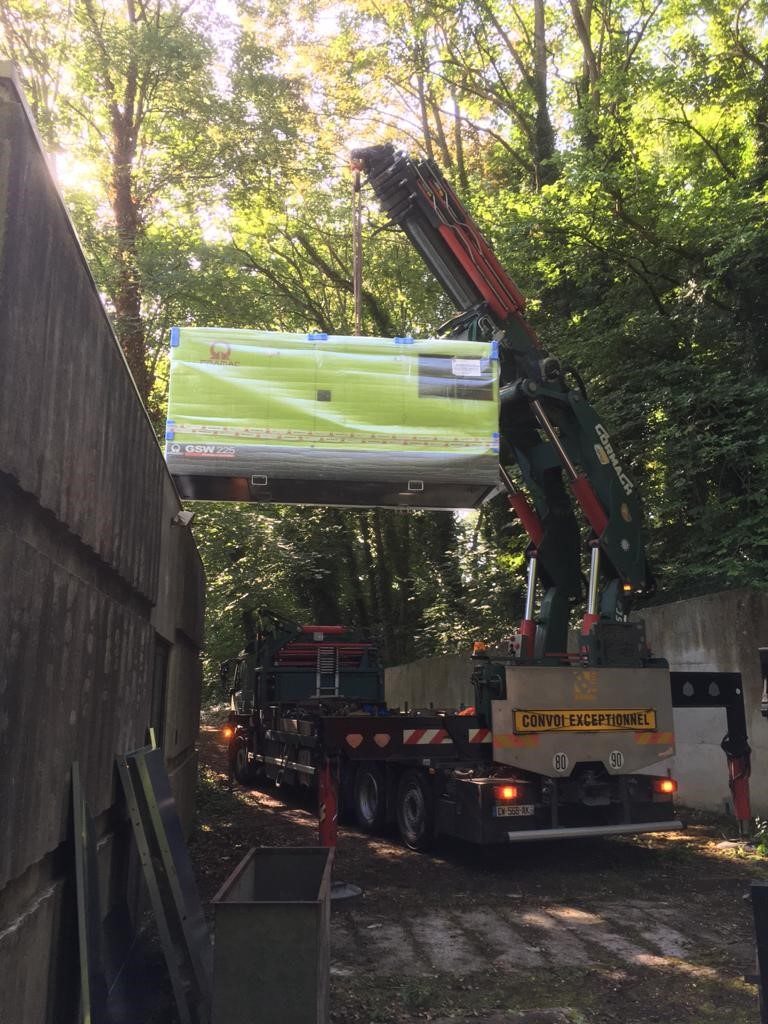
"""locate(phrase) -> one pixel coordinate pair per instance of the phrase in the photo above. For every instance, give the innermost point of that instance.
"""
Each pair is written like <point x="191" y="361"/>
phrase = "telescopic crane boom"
<point x="548" y="427"/>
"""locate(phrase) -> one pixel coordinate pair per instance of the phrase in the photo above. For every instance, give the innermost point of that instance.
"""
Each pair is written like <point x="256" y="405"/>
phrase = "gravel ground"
<point x="628" y="929"/>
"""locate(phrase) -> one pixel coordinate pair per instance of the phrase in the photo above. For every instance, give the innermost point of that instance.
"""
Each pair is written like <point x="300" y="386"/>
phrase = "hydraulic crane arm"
<point x="548" y="427"/>
<point x="418" y="198"/>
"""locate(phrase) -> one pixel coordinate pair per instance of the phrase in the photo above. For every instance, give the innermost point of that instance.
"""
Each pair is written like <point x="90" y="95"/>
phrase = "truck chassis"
<point x="433" y="775"/>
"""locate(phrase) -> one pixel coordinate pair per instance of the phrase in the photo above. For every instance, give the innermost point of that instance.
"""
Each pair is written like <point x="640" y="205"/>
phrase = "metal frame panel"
<point x="170" y="880"/>
<point x="93" y="986"/>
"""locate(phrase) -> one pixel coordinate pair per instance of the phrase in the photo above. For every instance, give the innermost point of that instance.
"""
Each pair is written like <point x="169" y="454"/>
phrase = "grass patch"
<point x="592" y="996"/>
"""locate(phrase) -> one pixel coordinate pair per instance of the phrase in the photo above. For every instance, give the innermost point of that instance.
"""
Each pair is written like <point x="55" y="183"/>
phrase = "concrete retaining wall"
<point x="101" y="598"/>
<point x="440" y="682"/>
<point x="719" y="632"/>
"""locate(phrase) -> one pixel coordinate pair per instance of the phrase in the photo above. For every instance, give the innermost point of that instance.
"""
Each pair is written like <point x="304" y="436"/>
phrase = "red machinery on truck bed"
<point x="557" y="743"/>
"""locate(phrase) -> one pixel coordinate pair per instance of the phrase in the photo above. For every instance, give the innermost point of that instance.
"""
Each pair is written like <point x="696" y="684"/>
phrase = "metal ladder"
<point x="327" y="674"/>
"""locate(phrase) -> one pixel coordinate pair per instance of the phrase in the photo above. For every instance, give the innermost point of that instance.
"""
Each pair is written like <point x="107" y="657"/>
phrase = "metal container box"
<point x="268" y="416"/>
<point x="272" y="939"/>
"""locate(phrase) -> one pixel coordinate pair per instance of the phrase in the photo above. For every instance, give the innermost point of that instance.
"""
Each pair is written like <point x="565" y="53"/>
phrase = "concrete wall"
<point x="718" y="632"/>
<point x="101" y="598"/>
<point x="440" y="682"/>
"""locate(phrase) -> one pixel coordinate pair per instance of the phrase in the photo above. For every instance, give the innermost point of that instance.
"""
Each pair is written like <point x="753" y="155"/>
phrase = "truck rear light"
<point x="227" y="732"/>
<point x="505" y="793"/>
<point x="666" y="786"/>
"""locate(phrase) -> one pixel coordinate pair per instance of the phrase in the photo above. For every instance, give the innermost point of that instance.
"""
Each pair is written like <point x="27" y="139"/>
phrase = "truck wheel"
<point x="245" y="772"/>
<point x="369" y="799"/>
<point x="416" y="811"/>
<point x="347" y="793"/>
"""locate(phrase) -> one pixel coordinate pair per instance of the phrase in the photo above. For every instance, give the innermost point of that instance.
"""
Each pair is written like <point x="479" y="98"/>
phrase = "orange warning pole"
<point x="328" y="804"/>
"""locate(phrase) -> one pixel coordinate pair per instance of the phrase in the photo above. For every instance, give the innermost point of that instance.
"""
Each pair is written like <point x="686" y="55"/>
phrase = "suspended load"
<point x="332" y="420"/>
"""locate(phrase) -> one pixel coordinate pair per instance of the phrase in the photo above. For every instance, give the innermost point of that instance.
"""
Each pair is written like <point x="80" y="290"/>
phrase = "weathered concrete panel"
<point x="74" y="672"/>
<point x="74" y="434"/>
<point x="180" y="595"/>
<point x="718" y="632"/>
<point x="440" y="682"/>
<point x="183" y="715"/>
<point x="26" y="992"/>
<point x="101" y="598"/>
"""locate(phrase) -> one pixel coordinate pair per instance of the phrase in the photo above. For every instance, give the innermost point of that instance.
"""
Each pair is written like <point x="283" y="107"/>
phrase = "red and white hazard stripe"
<point x="426" y="736"/>
<point x="480" y="736"/>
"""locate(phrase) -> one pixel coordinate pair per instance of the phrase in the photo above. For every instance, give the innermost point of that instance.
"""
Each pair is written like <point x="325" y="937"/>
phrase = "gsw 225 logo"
<point x="219" y="451"/>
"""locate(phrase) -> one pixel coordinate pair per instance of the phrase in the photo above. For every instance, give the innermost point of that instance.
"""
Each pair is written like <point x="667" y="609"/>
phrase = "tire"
<point x="416" y="811"/>
<point x="347" y="793"/>
<point x="369" y="798"/>
<point x="246" y="773"/>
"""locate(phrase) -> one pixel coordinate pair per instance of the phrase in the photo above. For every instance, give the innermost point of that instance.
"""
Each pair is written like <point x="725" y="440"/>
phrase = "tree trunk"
<point x="369" y="561"/>
<point x="442" y="142"/>
<point x="546" y="169"/>
<point x="446" y="550"/>
<point x="426" y="131"/>
<point x="383" y="583"/>
<point x="127" y="297"/>
<point x="589" y="99"/>
<point x="458" y="139"/>
<point x="398" y="545"/>
<point x="761" y="129"/>
<point x="351" y="553"/>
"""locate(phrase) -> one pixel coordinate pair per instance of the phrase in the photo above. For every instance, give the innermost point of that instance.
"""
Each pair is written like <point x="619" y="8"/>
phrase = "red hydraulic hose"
<point x="590" y="504"/>
<point x="527" y="516"/>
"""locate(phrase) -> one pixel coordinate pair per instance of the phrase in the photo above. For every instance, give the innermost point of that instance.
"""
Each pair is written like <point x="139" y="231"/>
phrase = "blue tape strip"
<point x="169" y="430"/>
<point x="175" y="337"/>
<point x="494" y="350"/>
<point x="407" y="340"/>
<point x="317" y="336"/>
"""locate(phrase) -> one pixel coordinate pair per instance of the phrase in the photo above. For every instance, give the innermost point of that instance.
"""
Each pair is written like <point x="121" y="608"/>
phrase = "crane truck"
<point x="558" y="742"/>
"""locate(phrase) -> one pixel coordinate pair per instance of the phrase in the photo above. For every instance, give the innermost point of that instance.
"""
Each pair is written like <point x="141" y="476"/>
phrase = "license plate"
<point x="513" y="810"/>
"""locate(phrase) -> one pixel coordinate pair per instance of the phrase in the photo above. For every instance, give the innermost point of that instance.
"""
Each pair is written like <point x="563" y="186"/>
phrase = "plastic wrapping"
<point x="313" y="419"/>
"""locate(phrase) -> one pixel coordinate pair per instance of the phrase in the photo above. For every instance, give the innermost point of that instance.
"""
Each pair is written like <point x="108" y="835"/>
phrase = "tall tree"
<point x="130" y="89"/>
<point x="615" y="154"/>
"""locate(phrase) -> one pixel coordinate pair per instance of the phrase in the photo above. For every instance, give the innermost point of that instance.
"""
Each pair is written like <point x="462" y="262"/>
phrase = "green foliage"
<point x="417" y="583"/>
<point x="615" y="155"/>
<point x="760" y="836"/>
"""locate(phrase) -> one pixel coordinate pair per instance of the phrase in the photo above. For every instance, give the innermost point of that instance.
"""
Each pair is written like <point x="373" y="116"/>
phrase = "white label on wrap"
<point x="466" y="367"/>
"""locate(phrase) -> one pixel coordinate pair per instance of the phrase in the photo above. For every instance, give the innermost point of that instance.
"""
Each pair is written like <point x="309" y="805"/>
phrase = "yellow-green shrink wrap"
<point x="332" y="420"/>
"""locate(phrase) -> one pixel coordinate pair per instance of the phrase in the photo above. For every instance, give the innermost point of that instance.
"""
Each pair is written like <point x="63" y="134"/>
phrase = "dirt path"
<point x="629" y="930"/>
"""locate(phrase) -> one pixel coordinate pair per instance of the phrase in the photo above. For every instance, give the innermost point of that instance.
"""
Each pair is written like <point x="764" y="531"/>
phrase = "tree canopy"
<point x="615" y="154"/>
